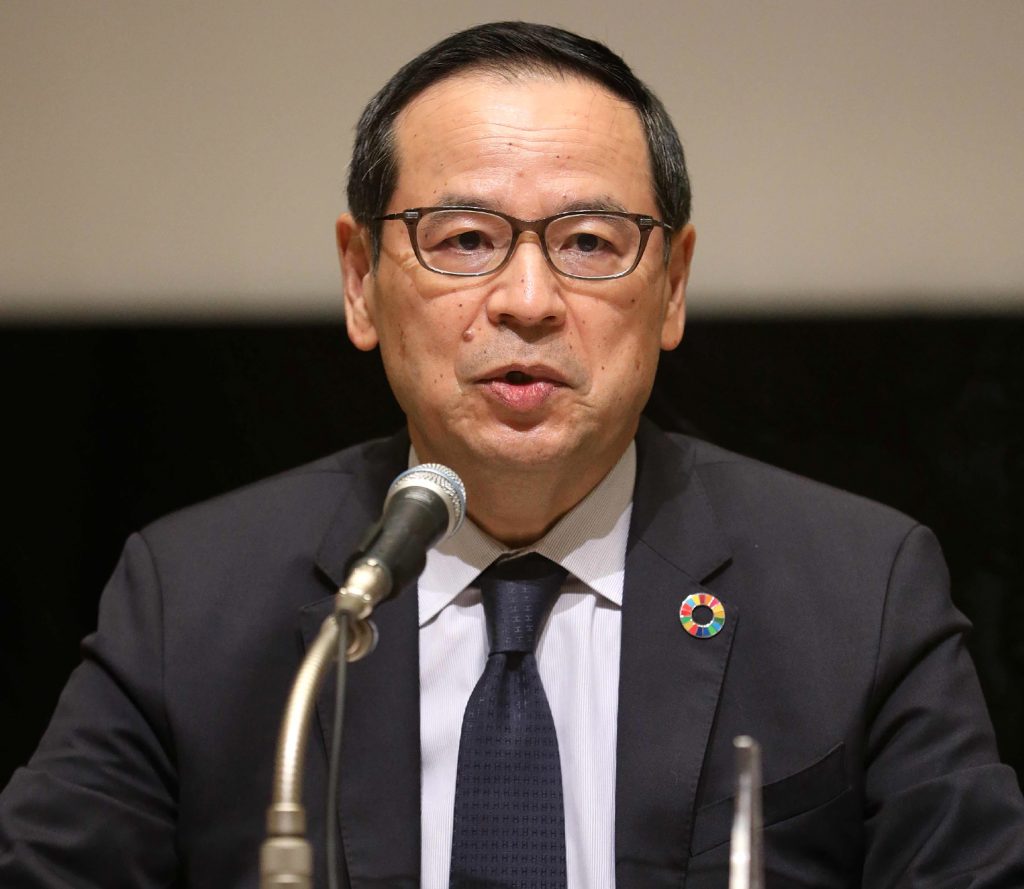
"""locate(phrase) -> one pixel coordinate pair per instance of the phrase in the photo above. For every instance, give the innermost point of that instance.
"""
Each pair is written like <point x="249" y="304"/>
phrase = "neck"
<point x="517" y="510"/>
<point x="518" y="504"/>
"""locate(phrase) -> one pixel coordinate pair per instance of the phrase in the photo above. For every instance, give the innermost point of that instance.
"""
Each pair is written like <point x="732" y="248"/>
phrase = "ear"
<point x="357" y="279"/>
<point x="680" y="258"/>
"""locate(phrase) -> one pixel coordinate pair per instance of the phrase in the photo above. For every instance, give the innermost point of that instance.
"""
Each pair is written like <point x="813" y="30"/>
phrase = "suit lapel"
<point x="669" y="682"/>
<point x="379" y="797"/>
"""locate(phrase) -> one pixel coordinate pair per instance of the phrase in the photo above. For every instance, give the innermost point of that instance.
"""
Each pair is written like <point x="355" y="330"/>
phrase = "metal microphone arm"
<point x="746" y="861"/>
<point x="286" y="857"/>
<point x="429" y="503"/>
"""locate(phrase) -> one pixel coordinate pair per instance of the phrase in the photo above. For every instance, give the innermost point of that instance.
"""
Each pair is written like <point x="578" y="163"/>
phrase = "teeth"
<point x="517" y="376"/>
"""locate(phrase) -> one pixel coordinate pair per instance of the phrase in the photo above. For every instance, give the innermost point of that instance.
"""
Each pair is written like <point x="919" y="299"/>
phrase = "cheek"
<point x="396" y="347"/>
<point x="421" y="342"/>
<point x="621" y="337"/>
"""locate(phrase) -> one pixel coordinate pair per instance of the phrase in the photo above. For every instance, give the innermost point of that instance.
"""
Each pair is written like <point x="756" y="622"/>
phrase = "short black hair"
<point x="509" y="48"/>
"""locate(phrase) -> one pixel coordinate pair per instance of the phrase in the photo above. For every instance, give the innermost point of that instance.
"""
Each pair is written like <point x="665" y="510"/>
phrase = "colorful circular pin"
<point x="702" y="615"/>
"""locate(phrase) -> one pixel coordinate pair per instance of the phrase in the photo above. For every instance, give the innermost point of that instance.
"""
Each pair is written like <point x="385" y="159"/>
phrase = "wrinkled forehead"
<point x="531" y="128"/>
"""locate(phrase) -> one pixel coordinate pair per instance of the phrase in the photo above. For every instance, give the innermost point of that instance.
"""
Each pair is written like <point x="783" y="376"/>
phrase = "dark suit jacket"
<point x="841" y="653"/>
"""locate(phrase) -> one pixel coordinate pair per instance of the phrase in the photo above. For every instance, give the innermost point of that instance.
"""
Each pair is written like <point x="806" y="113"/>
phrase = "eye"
<point x="471" y="240"/>
<point x="587" y="242"/>
<point x="588" y="236"/>
<point x="592" y="245"/>
<point x="461" y="231"/>
<point x="586" y="245"/>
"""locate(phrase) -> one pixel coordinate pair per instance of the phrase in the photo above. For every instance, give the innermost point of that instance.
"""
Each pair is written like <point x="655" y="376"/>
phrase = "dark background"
<point x="109" y="427"/>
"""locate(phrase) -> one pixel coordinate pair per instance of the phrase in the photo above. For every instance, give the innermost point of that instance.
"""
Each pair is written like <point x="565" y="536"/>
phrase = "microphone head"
<point x="440" y="480"/>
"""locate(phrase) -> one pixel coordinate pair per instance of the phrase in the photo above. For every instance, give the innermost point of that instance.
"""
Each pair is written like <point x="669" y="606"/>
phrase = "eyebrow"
<point x="597" y="202"/>
<point x="600" y="202"/>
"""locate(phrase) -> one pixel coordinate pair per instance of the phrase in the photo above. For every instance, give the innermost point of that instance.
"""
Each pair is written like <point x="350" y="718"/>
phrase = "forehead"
<point x="531" y="144"/>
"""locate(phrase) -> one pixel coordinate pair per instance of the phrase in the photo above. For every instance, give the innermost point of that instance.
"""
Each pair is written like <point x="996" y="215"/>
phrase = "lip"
<point x="539" y="372"/>
<point x="522" y="397"/>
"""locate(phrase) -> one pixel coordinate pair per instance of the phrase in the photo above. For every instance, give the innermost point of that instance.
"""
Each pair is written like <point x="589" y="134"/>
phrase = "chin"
<point x="534" y="448"/>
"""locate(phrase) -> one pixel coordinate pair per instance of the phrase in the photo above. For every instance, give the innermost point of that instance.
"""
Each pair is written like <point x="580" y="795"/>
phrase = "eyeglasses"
<point x="592" y="245"/>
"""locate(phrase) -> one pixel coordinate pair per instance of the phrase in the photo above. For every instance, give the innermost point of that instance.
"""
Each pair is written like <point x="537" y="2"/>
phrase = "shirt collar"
<point x="589" y="541"/>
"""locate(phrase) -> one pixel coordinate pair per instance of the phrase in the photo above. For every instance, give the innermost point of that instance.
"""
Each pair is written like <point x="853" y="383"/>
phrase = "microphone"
<point x="424" y="504"/>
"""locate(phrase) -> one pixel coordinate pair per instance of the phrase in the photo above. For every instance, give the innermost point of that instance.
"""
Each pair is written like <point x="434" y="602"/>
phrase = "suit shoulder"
<point x="746" y="489"/>
<point x="306" y="495"/>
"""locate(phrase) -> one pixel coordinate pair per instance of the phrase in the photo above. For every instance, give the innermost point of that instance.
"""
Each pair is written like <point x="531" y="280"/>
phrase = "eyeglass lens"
<point x="471" y="242"/>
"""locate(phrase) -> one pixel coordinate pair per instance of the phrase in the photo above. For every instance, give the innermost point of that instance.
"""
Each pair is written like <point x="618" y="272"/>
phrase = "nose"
<point x="526" y="294"/>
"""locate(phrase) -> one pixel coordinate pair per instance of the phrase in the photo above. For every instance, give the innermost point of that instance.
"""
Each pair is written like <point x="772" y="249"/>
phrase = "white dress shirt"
<point x="578" y="661"/>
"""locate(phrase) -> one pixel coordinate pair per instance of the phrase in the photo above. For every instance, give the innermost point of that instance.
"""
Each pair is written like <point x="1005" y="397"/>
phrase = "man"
<point x="518" y="249"/>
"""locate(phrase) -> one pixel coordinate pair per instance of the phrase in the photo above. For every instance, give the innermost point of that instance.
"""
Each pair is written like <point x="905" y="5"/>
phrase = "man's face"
<point x="523" y="369"/>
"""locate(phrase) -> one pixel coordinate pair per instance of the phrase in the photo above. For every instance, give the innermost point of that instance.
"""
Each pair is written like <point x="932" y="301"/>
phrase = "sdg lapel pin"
<point x="702" y="615"/>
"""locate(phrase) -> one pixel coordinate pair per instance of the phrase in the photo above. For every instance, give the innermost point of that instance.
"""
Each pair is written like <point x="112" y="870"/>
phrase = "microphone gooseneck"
<point x="424" y="505"/>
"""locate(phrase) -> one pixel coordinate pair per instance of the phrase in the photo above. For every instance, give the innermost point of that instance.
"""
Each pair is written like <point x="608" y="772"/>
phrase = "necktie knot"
<point x="517" y="595"/>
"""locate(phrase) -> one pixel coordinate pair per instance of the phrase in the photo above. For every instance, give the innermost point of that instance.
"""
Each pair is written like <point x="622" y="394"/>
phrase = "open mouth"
<point x="521" y="391"/>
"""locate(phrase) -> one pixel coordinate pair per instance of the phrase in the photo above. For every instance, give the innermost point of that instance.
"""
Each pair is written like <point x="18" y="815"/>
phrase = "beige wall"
<point x="187" y="158"/>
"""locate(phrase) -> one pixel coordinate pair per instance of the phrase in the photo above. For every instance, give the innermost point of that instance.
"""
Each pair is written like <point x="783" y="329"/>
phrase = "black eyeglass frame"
<point x="412" y="217"/>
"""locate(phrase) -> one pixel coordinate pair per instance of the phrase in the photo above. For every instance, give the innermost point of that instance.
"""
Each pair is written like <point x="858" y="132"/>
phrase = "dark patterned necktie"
<point x="509" y="827"/>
